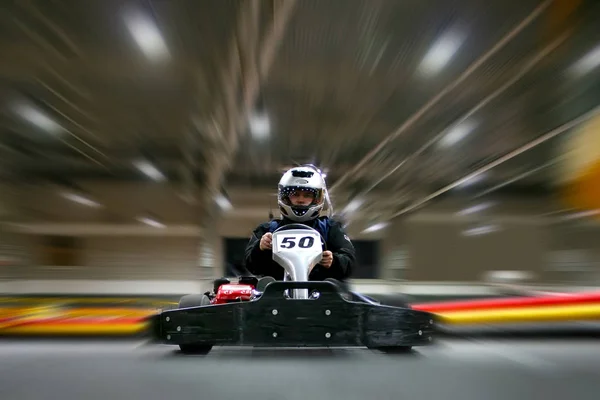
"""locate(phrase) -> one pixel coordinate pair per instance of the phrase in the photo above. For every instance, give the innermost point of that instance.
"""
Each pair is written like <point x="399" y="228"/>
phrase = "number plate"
<point x="292" y="241"/>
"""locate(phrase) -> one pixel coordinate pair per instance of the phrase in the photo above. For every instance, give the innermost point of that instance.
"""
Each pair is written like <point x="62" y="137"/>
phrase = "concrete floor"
<point x="452" y="369"/>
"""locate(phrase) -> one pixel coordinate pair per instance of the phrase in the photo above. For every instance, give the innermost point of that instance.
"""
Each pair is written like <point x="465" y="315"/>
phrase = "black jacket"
<point x="261" y="263"/>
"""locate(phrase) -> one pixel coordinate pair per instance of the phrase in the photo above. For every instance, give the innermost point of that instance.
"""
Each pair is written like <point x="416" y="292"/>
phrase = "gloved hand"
<point x="266" y="241"/>
<point x="327" y="259"/>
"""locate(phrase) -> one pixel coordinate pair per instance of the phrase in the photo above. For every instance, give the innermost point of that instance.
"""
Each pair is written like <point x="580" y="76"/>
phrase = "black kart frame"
<point x="273" y="320"/>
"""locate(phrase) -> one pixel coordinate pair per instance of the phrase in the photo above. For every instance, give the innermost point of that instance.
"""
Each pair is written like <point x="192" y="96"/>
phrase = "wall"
<point x="140" y="258"/>
<point x="574" y="253"/>
<point x="440" y="250"/>
<point x="434" y="250"/>
<point x="426" y="246"/>
<point x="111" y="258"/>
<point x="15" y="253"/>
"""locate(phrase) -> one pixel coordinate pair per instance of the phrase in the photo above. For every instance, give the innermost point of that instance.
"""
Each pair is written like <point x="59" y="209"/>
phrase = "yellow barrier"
<point x="76" y="329"/>
<point x="6" y="312"/>
<point x="51" y="319"/>
<point x="130" y="321"/>
<point x="88" y="300"/>
<point x="107" y="312"/>
<point x="533" y="314"/>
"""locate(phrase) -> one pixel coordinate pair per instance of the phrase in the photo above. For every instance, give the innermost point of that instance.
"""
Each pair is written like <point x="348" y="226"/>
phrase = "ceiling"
<point x="406" y="97"/>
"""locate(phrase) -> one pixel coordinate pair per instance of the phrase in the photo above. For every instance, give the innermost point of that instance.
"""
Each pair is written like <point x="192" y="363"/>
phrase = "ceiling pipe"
<point x="527" y="68"/>
<point x="230" y="78"/>
<point x="534" y="143"/>
<point x="520" y="176"/>
<point x="455" y="83"/>
<point x="251" y="89"/>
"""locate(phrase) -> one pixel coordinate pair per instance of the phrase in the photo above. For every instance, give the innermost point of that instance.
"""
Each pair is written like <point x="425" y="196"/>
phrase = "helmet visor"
<point x="299" y="196"/>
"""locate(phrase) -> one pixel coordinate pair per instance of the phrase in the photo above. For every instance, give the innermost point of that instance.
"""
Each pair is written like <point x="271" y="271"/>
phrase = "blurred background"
<point x="142" y="141"/>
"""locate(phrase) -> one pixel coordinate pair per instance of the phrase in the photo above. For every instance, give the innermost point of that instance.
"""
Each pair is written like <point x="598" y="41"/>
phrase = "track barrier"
<point x="127" y="317"/>
<point x="512" y="302"/>
<point x="562" y="313"/>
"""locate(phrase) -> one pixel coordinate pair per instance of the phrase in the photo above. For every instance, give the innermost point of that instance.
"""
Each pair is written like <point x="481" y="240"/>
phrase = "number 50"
<point x="304" y="242"/>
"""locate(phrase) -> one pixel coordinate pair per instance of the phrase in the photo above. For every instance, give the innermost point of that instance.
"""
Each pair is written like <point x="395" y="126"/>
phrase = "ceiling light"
<point x="151" y="222"/>
<point x="471" y="180"/>
<point x="149" y="170"/>
<point x="587" y="63"/>
<point x="147" y="36"/>
<point x="481" y="230"/>
<point x="581" y="214"/>
<point x="441" y="53"/>
<point x="375" y="227"/>
<point x="457" y="133"/>
<point x="223" y="202"/>
<point x="352" y="206"/>
<point x="475" y="209"/>
<point x="38" y="118"/>
<point x="260" y="126"/>
<point x="80" y="199"/>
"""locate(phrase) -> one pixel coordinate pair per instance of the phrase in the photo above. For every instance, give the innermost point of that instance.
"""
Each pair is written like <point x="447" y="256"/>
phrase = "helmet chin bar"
<point x="311" y="213"/>
<point x="300" y="211"/>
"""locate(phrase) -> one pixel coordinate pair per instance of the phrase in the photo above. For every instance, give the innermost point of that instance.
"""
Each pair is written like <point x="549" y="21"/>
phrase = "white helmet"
<point x="302" y="178"/>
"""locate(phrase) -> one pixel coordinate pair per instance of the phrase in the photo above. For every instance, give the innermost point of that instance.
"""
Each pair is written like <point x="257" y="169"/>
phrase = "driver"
<point x="301" y="197"/>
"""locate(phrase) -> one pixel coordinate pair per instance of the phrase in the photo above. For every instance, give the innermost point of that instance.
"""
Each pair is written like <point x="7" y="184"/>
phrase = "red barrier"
<point x="575" y="298"/>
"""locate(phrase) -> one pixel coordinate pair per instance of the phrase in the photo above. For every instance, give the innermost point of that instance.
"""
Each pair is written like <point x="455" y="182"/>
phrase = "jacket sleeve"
<point x="257" y="261"/>
<point x="344" y="254"/>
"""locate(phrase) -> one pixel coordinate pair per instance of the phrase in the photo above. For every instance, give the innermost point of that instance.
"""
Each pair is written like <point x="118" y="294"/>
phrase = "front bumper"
<point x="275" y="321"/>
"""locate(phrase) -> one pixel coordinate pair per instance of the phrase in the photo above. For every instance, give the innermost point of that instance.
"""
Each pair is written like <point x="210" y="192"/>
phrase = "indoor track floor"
<point x="451" y="369"/>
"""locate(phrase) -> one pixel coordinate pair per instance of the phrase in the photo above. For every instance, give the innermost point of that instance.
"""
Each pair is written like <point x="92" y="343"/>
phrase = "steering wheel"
<point x="305" y="227"/>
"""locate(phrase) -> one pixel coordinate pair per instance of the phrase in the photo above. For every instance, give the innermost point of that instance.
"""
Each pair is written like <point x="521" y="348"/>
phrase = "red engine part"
<point x="233" y="292"/>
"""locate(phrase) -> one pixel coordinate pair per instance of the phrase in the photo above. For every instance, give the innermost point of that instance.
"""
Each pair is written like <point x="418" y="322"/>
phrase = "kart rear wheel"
<point x="194" y="300"/>
<point x="195" y="349"/>
<point x="395" y="301"/>
<point x="394" y="349"/>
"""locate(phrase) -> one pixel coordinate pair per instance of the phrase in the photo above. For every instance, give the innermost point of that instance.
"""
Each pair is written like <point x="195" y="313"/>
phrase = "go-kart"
<point x="294" y="312"/>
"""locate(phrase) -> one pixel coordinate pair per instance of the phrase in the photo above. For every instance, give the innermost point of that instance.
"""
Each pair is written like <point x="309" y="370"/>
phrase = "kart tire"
<point x="344" y="288"/>
<point x="396" y="301"/>
<point x="394" y="349"/>
<point x="263" y="282"/>
<point x="194" y="300"/>
<point x="374" y="300"/>
<point x="342" y="285"/>
<point x="195" y="349"/>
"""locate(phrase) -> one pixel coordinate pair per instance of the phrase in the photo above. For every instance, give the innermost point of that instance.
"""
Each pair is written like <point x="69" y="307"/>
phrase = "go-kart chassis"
<point x="273" y="320"/>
